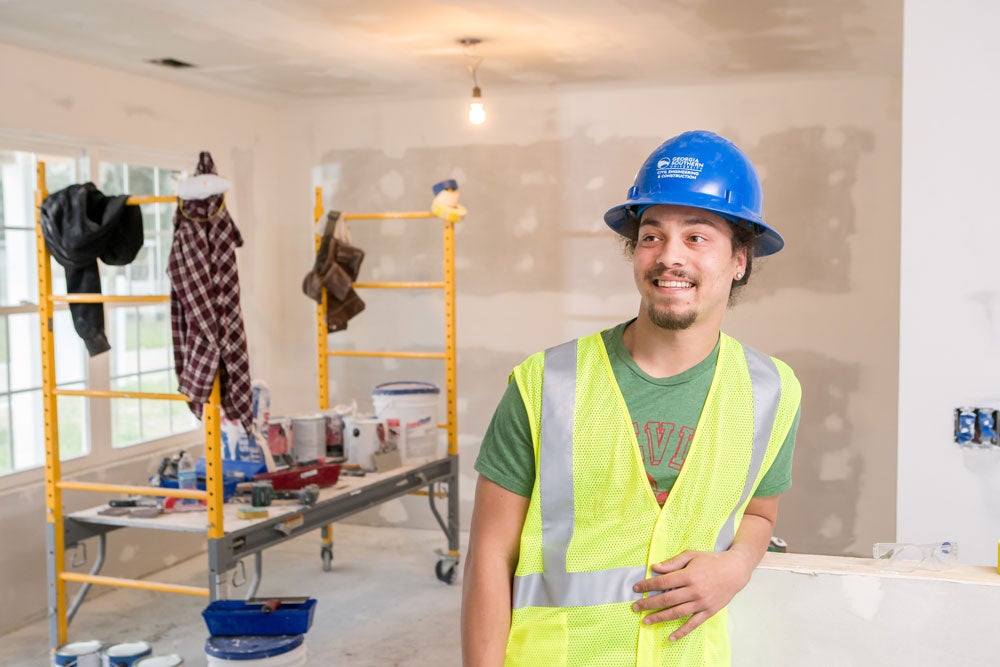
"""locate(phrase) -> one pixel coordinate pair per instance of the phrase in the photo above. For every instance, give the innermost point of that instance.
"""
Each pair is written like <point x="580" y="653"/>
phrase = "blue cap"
<point x="450" y="184"/>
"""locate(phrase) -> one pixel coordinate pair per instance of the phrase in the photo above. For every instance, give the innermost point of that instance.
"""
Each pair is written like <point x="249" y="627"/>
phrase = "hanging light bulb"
<point x="477" y="110"/>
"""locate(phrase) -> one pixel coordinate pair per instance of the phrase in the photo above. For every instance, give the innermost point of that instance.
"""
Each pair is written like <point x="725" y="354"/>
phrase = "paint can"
<point x="334" y="434"/>
<point x="279" y="437"/>
<point x="409" y="410"/>
<point x="126" y="654"/>
<point x="363" y="436"/>
<point x="172" y="660"/>
<point x="79" y="654"/>
<point x="310" y="437"/>
<point x="257" y="651"/>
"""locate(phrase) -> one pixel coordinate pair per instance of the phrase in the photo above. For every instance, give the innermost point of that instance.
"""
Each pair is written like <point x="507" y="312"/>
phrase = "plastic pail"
<point x="127" y="654"/>
<point x="409" y="410"/>
<point x="78" y="654"/>
<point x="309" y="441"/>
<point x="172" y="660"/>
<point x="363" y="435"/>
<point x="253" y="651"/>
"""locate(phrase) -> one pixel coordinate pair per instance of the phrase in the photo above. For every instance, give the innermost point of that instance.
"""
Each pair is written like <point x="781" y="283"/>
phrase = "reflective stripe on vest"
<point x="554" y="586"/>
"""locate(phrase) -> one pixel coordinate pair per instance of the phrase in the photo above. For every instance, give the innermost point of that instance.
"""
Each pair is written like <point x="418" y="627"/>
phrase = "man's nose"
<point x="673" y="253"/>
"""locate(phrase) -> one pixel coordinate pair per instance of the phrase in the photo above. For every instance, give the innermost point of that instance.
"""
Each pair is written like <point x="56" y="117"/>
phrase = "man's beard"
<point x="669" y="320"/>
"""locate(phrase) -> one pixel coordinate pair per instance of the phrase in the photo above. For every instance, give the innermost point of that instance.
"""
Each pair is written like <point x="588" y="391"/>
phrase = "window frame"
<point x="101" y="452"/>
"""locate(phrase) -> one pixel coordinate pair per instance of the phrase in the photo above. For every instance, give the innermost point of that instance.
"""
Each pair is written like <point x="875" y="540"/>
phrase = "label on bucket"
<point x="410" y="413"/>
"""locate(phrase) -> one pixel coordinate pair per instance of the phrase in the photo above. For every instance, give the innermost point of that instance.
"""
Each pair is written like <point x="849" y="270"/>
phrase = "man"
<point x="629" y="480"/>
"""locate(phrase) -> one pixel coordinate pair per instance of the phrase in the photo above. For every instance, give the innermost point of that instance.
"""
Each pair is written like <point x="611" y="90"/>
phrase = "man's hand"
<point x="700" y="583"/>
<point x="693" y="583"/>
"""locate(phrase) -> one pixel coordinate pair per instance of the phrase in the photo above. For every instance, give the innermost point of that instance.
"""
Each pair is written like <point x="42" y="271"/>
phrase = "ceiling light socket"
<point x="470" y="41"/>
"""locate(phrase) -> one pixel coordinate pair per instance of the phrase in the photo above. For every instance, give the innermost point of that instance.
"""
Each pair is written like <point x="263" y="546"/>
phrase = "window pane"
<point x="6" y="451"/>
<point x="60" y="172"/>
<point x="111" y="179"/>
<point x="167" y="180"/>
<point x="140" y="181"/>
<point x="18" y="265"/>
<point x="4" y="357"/>
<point x="25" y="362"/>
<point x="123" y="336"/>
<point x="126" y="427"/>
<point x="154" y="340"/>
<point x="71" y="358"/>
<point x="181" y="417"/>
<point x="148" y="217"/>
<point x="155" y="414"/>
<point x="26" y="412"/>
<point x="73" y="425"/>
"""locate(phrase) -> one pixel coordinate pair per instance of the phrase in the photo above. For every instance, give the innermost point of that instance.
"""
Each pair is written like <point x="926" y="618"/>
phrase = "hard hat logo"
<point x="703" y="170"/>
<point x="679" y="167"/>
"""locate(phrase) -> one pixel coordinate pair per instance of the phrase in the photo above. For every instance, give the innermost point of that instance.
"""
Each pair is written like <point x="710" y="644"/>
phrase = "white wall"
<point x="949" y="294"/>
<point x="536" y="265"/>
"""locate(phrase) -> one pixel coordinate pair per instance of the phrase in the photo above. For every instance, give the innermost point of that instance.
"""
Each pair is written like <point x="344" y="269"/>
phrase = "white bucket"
<point x="296" y="657"/>
<point x="126" y="654"/>
<point x="78" y="654"/>
<point x="172" y="660"/>
<point x="410" y="413"/>
<point x="309" y="441"/>
<point x="363" y="435"/>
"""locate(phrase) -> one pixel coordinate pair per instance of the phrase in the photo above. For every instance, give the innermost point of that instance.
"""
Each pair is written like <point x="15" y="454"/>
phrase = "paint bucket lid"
<point x="129" y="650"/>
<point x="402" y="388"/>
<point x="172" y="660"/>
<point x="251" y="647"/>
<point x="79" y="648"/>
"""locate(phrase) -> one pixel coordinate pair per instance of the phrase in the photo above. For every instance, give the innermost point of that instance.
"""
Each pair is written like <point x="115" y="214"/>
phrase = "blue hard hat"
<point x="703" y="170"/>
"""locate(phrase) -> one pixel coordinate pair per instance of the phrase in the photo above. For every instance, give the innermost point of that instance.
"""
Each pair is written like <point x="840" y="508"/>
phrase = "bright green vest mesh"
<point x="618" y="522"/>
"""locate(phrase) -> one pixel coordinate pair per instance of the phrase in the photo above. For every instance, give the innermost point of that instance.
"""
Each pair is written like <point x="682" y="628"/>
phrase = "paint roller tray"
<point x="250" y="617"/>
<point x="292" y="479"/>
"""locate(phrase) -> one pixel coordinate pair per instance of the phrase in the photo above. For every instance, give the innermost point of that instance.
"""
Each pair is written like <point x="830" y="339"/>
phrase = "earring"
<point x="739" y="276"/>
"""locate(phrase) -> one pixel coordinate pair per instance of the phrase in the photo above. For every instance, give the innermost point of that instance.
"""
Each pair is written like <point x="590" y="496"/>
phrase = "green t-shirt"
<point x="664" y="412"/>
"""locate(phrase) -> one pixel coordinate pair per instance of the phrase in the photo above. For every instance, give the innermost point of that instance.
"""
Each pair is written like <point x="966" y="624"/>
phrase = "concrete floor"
<point x="380" y="605"/>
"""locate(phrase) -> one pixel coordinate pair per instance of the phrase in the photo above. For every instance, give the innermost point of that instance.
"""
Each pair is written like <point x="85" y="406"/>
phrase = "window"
<point x="21" y="423"/>
<point x="141" y="349"/>
<point x="141" y="356"/>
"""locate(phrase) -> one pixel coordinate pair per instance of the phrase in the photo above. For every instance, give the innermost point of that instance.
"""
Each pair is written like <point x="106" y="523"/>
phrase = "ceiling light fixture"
<point x="477" y="110"/>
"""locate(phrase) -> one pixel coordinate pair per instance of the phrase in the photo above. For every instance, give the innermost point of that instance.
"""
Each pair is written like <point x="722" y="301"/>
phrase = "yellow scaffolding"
<point x="55" y="485"/>
<point x="445" y="569"/>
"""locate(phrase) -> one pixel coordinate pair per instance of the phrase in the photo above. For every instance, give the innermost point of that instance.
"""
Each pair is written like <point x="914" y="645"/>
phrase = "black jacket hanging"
<point x="80" y="224"/>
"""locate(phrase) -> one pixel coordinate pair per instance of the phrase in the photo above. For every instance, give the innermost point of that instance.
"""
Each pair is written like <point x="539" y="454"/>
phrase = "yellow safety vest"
<point x="593" y="527"/>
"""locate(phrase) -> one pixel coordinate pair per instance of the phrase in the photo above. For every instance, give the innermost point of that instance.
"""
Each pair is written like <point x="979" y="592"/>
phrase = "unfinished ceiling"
<point x="309" y="49"/>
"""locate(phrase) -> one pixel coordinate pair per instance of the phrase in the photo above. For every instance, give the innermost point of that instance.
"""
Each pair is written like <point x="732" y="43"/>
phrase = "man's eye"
<point x="698" y="238"/>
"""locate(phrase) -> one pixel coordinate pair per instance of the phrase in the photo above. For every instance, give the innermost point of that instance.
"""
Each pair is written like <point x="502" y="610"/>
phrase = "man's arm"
<point x="494" y="543"/>
<point x="700" y="583"/>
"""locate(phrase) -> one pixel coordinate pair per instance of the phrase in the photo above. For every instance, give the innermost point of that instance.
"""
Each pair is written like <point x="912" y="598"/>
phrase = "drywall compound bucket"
<point x="257" y="651"/>
<point x="127" y="654"/>
<point x="409" y="410"/>
<point x="78" y="654"/>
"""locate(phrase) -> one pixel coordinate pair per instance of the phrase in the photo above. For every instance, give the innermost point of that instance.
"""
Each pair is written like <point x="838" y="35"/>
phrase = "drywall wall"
<point x="948" y="288"/>
<point x="50" y="100"/>
<point x="841" y="612"/>
<point x="536" y="264"/>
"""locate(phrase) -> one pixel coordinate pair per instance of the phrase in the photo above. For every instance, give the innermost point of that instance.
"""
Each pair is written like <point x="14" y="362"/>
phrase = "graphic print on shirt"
<point x="656" y="441"/>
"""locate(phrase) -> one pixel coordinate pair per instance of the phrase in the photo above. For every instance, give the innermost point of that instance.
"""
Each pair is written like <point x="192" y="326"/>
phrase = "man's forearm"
<point x="486" y="608"/>
<point x="754" y="534"/>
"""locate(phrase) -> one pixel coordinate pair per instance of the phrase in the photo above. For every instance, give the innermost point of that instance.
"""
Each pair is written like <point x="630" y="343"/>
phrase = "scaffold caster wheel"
<point x="327" y="555"/>
<point x="445" y="570"/>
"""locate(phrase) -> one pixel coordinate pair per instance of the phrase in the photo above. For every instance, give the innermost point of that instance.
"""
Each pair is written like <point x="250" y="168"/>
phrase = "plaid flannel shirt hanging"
<point x="205" y="315"/>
